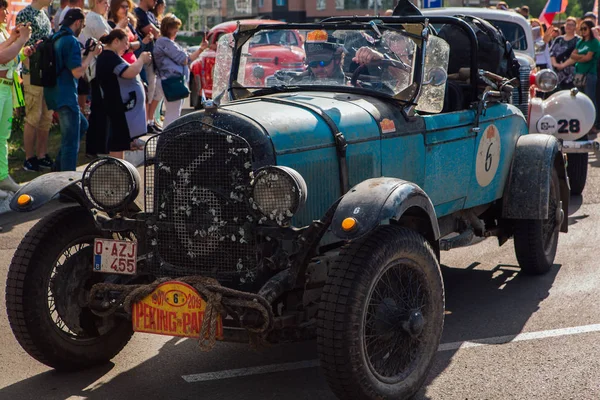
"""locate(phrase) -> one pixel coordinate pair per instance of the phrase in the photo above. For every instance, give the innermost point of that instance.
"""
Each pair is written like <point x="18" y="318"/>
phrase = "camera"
<point x="90" y="46"/>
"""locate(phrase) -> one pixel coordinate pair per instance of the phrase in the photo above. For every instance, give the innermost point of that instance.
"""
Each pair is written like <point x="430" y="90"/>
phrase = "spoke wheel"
<point x="47" y="295"/>
<point x="394" y="321"/>
<point x="381" y="316"/>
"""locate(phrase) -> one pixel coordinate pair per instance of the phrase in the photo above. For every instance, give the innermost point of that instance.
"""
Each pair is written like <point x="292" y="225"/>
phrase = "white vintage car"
<point x="568" y="114"/>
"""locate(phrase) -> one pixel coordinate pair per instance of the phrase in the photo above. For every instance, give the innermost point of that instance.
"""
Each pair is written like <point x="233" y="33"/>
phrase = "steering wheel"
<point x="385" y="63"/>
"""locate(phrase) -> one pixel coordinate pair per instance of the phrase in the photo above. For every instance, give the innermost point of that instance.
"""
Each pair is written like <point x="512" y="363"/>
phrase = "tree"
<point x="183" y="8"/>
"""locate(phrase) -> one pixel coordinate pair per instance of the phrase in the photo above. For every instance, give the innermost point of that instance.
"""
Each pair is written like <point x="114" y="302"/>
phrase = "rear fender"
<point x="382" y="200"/>
<point x="528" y="185"/>
<point x="43" y="188"/>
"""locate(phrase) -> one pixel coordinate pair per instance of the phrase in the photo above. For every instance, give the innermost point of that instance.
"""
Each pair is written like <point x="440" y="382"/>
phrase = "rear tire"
<point x="384" y="293"/>
<point x="577" y="169"/>
<point x="536" y="240"/>
<point x="48" y="280"/>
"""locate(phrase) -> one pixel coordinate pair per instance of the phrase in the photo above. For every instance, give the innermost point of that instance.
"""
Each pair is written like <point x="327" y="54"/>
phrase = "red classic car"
<point x="268" y="52"/>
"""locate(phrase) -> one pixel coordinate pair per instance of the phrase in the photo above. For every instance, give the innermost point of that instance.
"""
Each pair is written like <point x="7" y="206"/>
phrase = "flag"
<point x="595" y="9"/>
<point x="552" y="8"/>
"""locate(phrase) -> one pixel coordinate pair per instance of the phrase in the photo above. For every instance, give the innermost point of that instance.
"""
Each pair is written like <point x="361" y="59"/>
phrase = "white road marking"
<point x="266" y="369"/>
<point x="263" y="369"/>
<point x="520" y="337"/>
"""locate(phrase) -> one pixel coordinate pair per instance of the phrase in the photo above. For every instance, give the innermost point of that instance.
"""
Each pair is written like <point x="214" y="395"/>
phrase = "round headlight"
<point x="546" y="80"/>
<point x="278" y="193"/>
<point x="111" y="184"/>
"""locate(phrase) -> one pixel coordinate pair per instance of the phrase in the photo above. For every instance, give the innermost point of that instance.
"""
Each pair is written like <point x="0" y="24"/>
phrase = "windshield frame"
<point x="243" y="33"/>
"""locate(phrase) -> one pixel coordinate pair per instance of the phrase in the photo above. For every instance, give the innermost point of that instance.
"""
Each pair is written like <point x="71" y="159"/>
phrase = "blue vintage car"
<point x="301" y="204"/>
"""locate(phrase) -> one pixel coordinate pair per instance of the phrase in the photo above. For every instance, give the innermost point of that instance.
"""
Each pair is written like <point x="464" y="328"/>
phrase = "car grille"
<point x="520" y="97"/>
<point x="197" y="179"/>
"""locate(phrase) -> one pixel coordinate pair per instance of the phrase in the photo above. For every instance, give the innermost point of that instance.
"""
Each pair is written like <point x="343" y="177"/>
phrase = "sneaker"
<point x="8" y="185"/>
<point x="153" y="129"/>
<point x="31" y="164"/>
<point x="45" y="162"/>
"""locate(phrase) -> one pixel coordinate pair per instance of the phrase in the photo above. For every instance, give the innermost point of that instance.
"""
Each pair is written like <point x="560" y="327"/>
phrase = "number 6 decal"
<point x="570" y="126"/>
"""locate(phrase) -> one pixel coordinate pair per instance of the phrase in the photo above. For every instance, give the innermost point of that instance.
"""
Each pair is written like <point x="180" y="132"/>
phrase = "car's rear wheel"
<point x="577" y="169"/>
<point x="46" y="295"/>
<point x="536" y="240"/>
<point x="381" y="316"/>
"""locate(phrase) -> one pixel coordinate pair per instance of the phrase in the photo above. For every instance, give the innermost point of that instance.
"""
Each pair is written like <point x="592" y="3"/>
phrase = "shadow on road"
<point x="487" y="303"/>
<point x="479" y="303"/>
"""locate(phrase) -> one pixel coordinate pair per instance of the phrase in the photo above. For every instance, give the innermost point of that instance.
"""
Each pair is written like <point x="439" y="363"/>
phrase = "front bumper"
<point x="583" y="146"/>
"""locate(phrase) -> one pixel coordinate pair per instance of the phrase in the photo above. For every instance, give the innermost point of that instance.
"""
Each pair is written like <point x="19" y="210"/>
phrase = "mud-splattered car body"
<point x="283" y="212"/>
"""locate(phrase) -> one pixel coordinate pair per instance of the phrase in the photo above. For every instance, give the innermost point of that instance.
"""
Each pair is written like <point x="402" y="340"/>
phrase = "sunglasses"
<point x="320" y="63"/>
<point x="584" y="29"/>
<point x="125" y="6"/>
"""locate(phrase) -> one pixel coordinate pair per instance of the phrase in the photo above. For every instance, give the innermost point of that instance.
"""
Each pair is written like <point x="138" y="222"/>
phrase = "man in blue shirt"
<point x="63" y="97"/>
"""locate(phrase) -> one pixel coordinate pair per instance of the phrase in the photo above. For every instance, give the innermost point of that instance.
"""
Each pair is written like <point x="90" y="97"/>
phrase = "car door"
<point x="449" y="159"/>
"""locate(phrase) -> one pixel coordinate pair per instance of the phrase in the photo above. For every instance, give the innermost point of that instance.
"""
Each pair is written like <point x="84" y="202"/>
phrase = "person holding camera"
<point x="10" y="45"/>
<point x="123" y="94"/>
<point x="63" y="96"/>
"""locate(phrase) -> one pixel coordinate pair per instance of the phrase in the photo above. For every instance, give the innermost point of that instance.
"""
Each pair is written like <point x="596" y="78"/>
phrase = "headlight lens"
<point x="546" y="80"/>
<point x="278" y="193"/>
<point x="111" y="184"/>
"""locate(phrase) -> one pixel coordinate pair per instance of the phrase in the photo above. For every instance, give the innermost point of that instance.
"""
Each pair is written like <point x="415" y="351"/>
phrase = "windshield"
<point x="378" y="59"/>
<point x="514" y="33"/>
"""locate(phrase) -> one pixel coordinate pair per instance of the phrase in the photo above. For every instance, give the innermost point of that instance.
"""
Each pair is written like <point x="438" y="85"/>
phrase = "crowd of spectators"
<point x="571" y="48"/>
<point x="108" y="83"/>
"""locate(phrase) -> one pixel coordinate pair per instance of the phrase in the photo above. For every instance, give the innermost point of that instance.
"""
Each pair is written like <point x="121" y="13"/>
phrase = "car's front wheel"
<point x="47" y="295"/>
<point x="381" y="316"/>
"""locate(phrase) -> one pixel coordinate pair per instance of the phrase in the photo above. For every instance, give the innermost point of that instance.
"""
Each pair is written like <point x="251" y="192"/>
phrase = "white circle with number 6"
<point x="488" y="156"/>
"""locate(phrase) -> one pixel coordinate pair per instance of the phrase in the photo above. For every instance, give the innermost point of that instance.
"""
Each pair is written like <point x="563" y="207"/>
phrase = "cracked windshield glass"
<point x="380" y="60"/>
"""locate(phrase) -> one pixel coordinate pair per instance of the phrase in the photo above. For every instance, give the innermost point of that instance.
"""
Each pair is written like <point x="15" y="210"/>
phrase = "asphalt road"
<point x="506" y="336"/>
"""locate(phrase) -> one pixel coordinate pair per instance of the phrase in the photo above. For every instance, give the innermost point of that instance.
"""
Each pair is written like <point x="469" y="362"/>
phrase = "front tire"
<point x="536" y="240"/>
<point x="577" y="169"/>
<point x="46" y="291"/>
<point x="381" y="316"/>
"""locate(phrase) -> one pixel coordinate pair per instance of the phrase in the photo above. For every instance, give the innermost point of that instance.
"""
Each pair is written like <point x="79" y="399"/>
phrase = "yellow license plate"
<point x="173" y="308"/>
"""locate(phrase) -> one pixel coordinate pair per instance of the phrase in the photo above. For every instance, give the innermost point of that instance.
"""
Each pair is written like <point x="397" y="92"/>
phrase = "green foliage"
<point x="183" y="8"/>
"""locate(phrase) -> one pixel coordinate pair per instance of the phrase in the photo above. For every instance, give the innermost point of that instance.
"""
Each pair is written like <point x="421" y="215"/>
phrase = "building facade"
<point x="212" y="12"/>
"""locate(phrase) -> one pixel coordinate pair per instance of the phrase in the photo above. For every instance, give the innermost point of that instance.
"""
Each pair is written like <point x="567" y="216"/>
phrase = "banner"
<point x="552" y="8"/>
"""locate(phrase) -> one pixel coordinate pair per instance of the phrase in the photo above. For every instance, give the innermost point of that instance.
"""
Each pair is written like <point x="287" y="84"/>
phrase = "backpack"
<point x="495" y="52"/>
<point x="42" y="63"/>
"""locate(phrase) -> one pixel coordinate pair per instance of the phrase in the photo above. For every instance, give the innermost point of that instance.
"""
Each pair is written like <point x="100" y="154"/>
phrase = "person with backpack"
<point x="38" y="118"/>
<point x="62" y="97"/>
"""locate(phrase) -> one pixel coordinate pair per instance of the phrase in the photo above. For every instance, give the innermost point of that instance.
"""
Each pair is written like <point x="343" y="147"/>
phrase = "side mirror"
<point x="436" y="76"/>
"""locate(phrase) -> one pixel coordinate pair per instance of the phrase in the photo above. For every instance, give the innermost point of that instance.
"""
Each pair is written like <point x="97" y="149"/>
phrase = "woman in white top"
<point x="8" y="42"/>
<point x="96" y="26"/>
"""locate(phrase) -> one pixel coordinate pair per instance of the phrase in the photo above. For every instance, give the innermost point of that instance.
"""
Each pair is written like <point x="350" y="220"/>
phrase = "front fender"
<point x="379" y="200"/>
<point x="43" y="188"/>
<point x="528" y="185"/>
